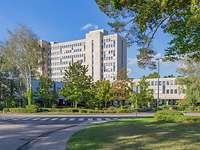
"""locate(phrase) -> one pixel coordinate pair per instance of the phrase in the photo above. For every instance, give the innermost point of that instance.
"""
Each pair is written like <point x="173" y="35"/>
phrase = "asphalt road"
<point x="46" y="132"/>
<point x="49" y="132"/>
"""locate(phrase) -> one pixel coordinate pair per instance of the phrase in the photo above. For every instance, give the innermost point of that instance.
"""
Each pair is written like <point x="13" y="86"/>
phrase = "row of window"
<point x="68" y="45"/>
<point x="73" y="56"/>
<point x="170" y="82"/>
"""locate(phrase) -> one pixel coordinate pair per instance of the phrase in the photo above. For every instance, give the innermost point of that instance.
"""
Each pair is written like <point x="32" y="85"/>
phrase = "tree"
<point x="121" y="91"/>
<point x="46" y="92"/>
<point x="77" y="85"/>
<point x="139" y="21"/>
<point x="153" y="75"/>
<point x="103" y="92"/>
<point x="191" y="81"/>
<point x="22" y="51"/>
<point x="142" y="96"/>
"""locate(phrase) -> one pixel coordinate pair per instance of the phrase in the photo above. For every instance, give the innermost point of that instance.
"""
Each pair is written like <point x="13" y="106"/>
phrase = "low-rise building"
<point x="169" y="90"/>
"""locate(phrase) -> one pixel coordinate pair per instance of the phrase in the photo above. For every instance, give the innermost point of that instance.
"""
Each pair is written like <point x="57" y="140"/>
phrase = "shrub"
<point x="83" y="111"/>
<point x="169" y="116"/>
<point x="27" y="109"/>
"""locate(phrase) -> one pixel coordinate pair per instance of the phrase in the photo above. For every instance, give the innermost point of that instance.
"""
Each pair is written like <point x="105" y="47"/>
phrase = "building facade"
<point x="169" y="90"/>
<point x="104" y="54"/>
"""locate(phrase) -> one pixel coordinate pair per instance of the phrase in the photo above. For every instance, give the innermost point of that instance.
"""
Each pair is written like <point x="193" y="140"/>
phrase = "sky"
<point x="62" y="20"/>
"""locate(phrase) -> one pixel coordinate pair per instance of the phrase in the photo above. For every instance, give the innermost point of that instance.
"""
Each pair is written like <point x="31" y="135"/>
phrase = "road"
<point x="31" y="132"/>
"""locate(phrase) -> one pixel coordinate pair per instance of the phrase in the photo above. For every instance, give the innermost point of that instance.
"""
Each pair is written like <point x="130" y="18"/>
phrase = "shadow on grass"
<point x="142" y="133"/>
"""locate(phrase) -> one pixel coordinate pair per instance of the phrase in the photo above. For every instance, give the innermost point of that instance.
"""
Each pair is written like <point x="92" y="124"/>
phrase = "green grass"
<point x="137" y="134"/>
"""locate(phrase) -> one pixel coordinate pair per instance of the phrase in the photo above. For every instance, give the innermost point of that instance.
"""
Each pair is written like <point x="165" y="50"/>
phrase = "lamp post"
<point x="158" y="80"/>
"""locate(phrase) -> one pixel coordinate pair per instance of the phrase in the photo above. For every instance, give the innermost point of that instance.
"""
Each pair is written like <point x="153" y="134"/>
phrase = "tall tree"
<point x="46" y="92"/>
<point x="103" y="92"/>
<point x="77" y="84"/>
<point x="140" y="20"/>
<point x="22" y="51"/>
<point x="121" y="91"/>
<point x="142" y="95"/>
<point x="191" y="81"/>
<point x="153" y="75"/>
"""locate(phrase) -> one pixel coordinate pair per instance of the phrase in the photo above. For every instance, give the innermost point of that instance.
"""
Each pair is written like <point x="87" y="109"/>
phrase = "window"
<point x="175" y="91"/>
<point x="152" y="83"/>
<point x="171" y="91"/>
<point x="167" y="91"/>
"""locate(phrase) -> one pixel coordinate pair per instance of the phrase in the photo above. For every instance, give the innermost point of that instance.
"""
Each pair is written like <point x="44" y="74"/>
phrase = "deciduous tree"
<point x="139" y="21"/>
<point x="77" y="84"/>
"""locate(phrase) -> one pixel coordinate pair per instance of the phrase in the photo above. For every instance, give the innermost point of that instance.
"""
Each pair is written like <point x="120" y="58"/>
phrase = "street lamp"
<point x="158" y="80"/>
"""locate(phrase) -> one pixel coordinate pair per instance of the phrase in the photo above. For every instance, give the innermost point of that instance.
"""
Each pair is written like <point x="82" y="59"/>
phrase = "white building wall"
<point x="168" y="88"/>
<point x="104" y="54"/>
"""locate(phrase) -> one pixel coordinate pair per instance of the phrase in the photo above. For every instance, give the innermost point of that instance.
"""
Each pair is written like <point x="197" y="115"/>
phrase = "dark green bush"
<point x="169" y="116"/>
<point x="83" y="110"/>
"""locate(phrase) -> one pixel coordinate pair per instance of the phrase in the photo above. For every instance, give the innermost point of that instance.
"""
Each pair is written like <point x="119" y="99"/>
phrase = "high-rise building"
<point x="104" y="54"/>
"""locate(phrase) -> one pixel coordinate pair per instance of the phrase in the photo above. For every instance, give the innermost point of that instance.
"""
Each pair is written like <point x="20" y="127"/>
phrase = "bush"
<point x="169" y="116"/>
<point x="83" y="111"/>
<point x="27" y="109"/>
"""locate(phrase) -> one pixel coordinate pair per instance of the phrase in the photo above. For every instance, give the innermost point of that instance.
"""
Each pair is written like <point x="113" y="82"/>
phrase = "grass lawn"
<point x="137" y="134"/>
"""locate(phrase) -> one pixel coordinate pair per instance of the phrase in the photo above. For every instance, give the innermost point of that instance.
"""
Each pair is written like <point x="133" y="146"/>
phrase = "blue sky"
<point x="61" y="20"/>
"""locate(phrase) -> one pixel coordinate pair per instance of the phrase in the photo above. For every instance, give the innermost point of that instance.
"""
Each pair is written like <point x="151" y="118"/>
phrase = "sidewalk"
<point x="52" y="141"/>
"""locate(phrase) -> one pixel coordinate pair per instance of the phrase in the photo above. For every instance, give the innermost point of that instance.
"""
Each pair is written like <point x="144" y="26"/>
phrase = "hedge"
<point x="66" y="110"/>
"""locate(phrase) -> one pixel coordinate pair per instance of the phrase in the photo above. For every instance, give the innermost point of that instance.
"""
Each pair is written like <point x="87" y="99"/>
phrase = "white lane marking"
<point x="43" y="119"/>
<point x="99" y="119"/>
<point x="54" y="119"/>
<point x="15" y="119"/>
<point x="80" y="119"/>
<point x="34" y="119"/>
<point x="71" y="119"/>
<point x="25" y="118"/>
<point x="62" y="119"/>
<point x="90" y="119"/>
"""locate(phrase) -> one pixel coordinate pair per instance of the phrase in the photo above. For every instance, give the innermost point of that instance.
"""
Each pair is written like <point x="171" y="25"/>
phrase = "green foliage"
<point x="77" y="85"/>
<point x="169" y="116"/>
<point x="28" y="109"/>
<point x="142" y="96"/>
<point x="191" y="82"/>
<point x="153" y="75"/>
<point x="22" y="54"/>
<point x="46" y="92"/>
<point x="139" y="21"/>
<point x="103" y="92"/>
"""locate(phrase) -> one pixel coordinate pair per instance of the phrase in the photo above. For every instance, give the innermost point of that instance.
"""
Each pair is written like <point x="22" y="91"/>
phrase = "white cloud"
<point x="89" y="26"/>
<point x="132" y="61"/>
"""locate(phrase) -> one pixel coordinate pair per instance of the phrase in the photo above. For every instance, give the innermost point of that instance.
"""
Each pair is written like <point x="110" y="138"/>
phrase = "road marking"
<point x="25" y="119"/>
<point x="54" y="119"/>
<point x="80" y="119"/>
<point x="71" y="119"/>
<point x="90" y="119"/>
<point x="36" y="119"/>
<point x="43" y="119"/>
<point x="62" y="119"/>
<point x="99" y="119"/>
